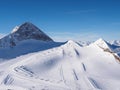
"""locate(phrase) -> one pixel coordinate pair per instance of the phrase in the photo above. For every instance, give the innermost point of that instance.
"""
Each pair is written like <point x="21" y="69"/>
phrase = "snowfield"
<point x="59" y="66"/>
<point x="31" y="60"/>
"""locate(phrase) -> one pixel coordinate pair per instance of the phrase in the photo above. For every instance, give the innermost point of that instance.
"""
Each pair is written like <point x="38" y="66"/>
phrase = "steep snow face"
<point x="24" y="32"/>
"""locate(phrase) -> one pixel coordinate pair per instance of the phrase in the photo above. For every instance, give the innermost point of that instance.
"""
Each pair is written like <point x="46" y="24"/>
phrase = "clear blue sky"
<point x="64" y="19"/>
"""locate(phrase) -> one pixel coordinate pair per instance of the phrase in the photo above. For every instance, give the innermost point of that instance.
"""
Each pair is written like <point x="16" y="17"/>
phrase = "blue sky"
<point x="64" y="19"/>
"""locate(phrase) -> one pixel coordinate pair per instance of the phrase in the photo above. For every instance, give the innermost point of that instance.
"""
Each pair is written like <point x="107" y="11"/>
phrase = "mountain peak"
<point x="100" y="40"/>
<point x="28" y="23"/>
<point x="25" y="31"/>
<point x="102" y="43"/>
<point x="27" y="26"/>
<point x="71" y="43"/>
<point x="29" y="31"/>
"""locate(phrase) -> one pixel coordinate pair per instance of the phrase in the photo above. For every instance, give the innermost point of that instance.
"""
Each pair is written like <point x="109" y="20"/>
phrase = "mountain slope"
<point x="26" y="47"/>
<point x="67" y="67"/>
<point x="31" y="60"/>
<point x="84" y="43"/>
<point x="115" y="42"/>
<point x="107" y="47"/>
<point x="26" y="38"/>
<point x="103" y="44"/>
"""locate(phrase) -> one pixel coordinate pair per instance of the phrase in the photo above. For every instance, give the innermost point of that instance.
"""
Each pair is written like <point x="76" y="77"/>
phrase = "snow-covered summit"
<point x="106" y="46"/>
<point x="23" y="32"/>
<point x="101" y="43"/>
<point x="71" y="43"/>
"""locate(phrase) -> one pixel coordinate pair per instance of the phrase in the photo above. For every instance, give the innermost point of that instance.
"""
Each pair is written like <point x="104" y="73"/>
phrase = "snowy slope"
<point x="84" y="43"/>
<point x="31" y="60"/>
<point x="1" y="36"/>
<point x="25" y="47"/>
<point x="65" y="67"/>
<point x="106" y="46"/>
<point x="115" y="42"/>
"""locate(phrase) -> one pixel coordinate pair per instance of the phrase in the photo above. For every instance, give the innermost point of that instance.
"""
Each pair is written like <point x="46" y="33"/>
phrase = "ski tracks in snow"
<point x="83" y="65"/>
<point x="81" y="80"/>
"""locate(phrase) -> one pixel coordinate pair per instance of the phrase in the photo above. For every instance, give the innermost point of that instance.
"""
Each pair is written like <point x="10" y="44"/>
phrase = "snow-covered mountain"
<point x="106" y="46"/>
<point x="115" y="42"/>
<point x="25" y="31"/>
<point x="1" y="36"/>
<point x="41" y="65"/>
<point x="67" y="67"/>
<point x="84" y="43"/>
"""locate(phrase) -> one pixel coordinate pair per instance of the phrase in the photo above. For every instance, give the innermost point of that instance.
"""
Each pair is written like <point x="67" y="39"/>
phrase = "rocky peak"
<point x="29" y="31"/>
<point x="23" y="32"/>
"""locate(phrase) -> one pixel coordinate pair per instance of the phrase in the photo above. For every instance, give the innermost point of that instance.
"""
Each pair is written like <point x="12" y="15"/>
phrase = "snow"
<point x="84" y="43"/>
<point x="15" y="29"/>
<point x="31" y="63"/>
<point x="115" y="42"/>
<point x="102" y="43"/>
<point x="2" y="35"/>
<point x="61" y="66"/>
<point x="23" y="32"/>
<point x="26" y="46"/>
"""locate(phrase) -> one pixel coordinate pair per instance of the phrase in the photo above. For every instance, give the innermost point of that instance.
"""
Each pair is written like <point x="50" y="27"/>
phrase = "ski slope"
<point x="62" y="66"/>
